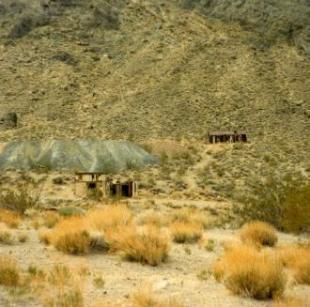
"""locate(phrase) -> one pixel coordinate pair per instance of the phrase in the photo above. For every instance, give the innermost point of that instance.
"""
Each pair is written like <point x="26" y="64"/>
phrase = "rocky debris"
<point x="26" y="24"/>
<point x="8" y="121"/>
<point x="77" y="155"/>
<point x="65" y="57"/>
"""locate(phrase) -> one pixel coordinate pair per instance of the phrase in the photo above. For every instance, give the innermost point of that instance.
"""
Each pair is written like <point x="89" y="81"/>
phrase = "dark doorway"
<point x="126" y="190"/>
<point x="113" y="190"/>
<point x="92" y="186"/>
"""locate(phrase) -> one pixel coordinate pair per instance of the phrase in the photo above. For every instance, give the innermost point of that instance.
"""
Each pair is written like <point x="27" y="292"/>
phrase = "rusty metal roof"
<point x="225" y="133"/>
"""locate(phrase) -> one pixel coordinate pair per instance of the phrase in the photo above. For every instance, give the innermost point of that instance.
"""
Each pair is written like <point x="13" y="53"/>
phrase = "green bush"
<point x="18" y="201"/>
<point x="282" y="201"/>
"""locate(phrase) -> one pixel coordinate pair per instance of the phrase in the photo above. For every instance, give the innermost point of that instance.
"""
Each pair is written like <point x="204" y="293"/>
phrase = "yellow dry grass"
<point x="109" y="229"/>
<point x="147" y="245"/>
<point x="9" y="272"/>
<point x="153" y="218"/>
<point x="292" y="302"/>
<point x="297" y="258"/>
<point x="192" y="216"/>
<point x="5" y="235"/>
<point x="147" y="299"/>
<point x="109" y="218"/>
<point x="259" y="234"/>
<point x="186" y="232"/>
<point x="69" y="235"/>
<point x="10" y="218"/>
<point x="248" y="272"/>
<point x="64" y="288"/>
<point x="51" y="219"/>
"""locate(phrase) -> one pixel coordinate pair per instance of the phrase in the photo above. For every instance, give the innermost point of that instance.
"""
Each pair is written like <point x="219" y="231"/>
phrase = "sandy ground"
<point x="176" y="278"/>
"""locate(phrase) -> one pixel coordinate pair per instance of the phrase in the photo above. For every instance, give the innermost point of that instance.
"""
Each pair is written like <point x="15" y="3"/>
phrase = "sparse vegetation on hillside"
<point x="280" y="201"/>
<point x="18" y="201"/>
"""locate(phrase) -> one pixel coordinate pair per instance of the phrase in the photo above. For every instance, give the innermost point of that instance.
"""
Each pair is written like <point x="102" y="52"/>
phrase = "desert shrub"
<point x="98" y="282"/>
<point x="98" y="241"/>
<point x="204" y="275"/>
<point x="147" y="245"/>
<point x="280" y="201"/>
<point x="291" y="302"/>
<point x="296" y="209"/>
<point x="10" y="218"/>
<point x="5" y="235"/>
<point x="109" y="218"/>
<point x="248" y="272"/>
<point x="259" y="233"/>
<point x="59" y="275"/>
<point x="9" y="272"/>
<point x="17" y="201"/>
<point x="147" y="299"/>
<point x="192" y="216"/>
<point x="210" y="245"/>
<point x="75" y="235"/>
<point x="153" y="218"/>
<point x="26" y="24"/>
<point x="73" y="242"/>
<point x="183" y="232"/>
<point x="107" y="16"/>
<point x="22" y="238"/>
<point x="69" y="236"/>
<point x="70" y="211"/>
<point x="297" y="258"/>
<point x="66" y="58"/>
<point x="68" y="290"/>
<point x="45" y="237"/>
<point x="51" y="219"/>
<point x="71" y="298"/>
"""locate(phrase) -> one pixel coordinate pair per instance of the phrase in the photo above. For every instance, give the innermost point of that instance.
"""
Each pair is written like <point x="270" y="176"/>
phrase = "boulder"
<point x="8" y="121"/>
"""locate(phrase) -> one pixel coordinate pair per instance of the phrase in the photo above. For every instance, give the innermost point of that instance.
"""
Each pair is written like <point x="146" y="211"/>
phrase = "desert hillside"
<point x="143" y="69"/>
<point x="110" y="192"/>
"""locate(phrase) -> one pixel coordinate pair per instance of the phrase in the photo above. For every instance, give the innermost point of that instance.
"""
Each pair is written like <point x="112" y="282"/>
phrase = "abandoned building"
<point x="96" y="182"/>
<point x="227" y="137"/>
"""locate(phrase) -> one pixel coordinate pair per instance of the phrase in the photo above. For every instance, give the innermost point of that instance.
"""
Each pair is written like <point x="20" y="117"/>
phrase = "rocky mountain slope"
<point x="152" y="69"/>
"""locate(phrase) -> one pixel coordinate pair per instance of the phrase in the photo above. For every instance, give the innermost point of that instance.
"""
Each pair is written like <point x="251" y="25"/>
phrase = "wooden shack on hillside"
<point x="227" y="137"/>
<point x="98" y="183"/>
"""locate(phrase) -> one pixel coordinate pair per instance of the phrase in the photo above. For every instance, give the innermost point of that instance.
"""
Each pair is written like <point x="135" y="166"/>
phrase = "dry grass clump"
<point x="153" y="218"/>
<point x="82" y="234"/>
<point x="297" y="258"/>
<point x="10" y="218"/>
<point x="185" y="232"/>
<point x="192" y="216"/>
<point x="73" y="242"/>
<point x="110" y="229"/>
<point x="146" y="245"/>
<point x="5" y="235"/>
<point x="109" y="218"/>
<point x="291" y="302"/>
<point x="51" y="219"/>
<point x="64" y="288"/>
<point x="248" y="272"/>
<point x="259" y="233"/>
<point x="23" y="237"/>
<point x="147" y="299"/>
<point x="9" y="272"/>
<point x="69" y="236"/>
